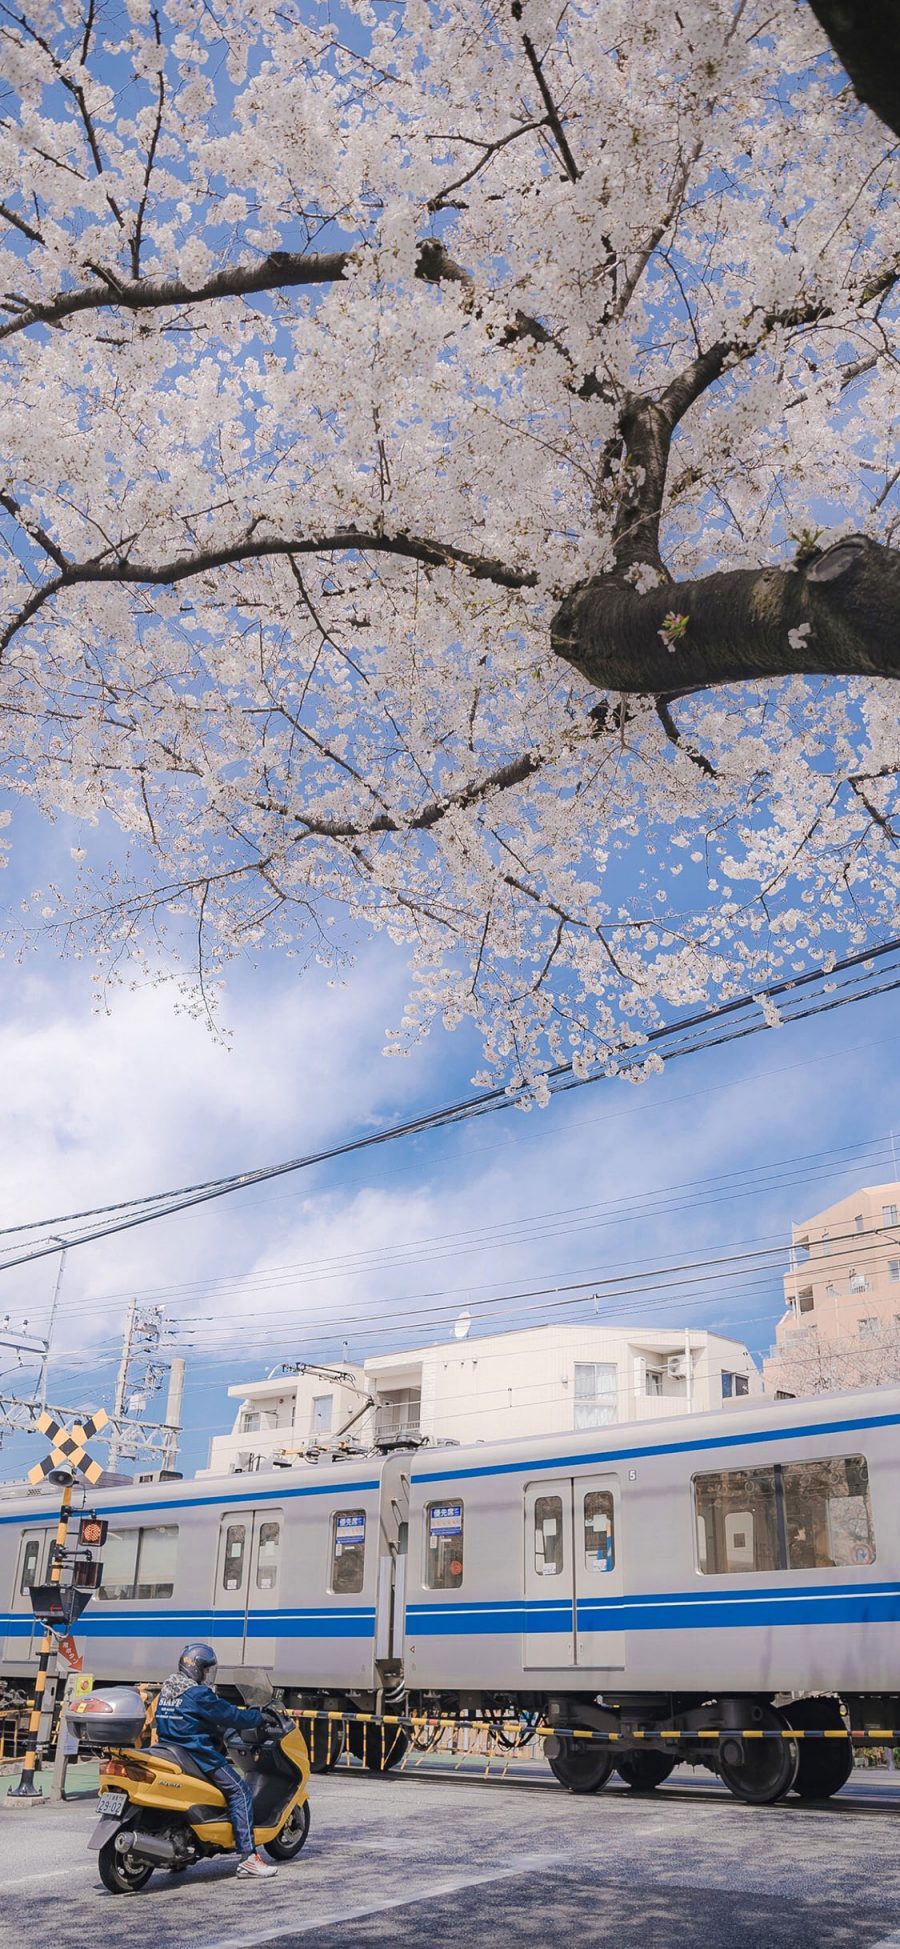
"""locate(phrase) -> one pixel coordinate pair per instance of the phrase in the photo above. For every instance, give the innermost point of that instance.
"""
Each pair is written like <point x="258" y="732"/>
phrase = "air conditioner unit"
<point x="677" y="1367"/>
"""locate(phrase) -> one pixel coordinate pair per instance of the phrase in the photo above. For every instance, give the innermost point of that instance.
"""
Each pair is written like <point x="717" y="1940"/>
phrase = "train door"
<point x="548" y="1636"/>
<point x="24" y="1632"/>
<point x="247" y="1576"/>
<point x="599" y="1637"/>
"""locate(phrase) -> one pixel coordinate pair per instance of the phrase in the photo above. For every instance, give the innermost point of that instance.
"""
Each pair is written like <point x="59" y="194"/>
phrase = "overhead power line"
<point x="741" y="1017"/>
<point x="565" y="1223"/>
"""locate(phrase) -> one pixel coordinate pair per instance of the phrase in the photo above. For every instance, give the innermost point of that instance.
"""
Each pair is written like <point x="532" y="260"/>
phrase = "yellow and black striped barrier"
<point x="388" y="1741"/>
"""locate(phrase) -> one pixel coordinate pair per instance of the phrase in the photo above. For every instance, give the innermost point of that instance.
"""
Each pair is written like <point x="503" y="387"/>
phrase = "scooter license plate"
<point x="112" y="1804"/>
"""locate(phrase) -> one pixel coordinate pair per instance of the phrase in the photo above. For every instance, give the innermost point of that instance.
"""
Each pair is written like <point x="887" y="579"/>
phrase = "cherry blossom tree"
<point x="449" y="487"/>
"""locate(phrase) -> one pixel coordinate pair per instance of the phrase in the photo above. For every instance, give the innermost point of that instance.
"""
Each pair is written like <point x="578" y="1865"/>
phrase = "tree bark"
<point x="835" y="613"/>
<point x="865" y="35"/>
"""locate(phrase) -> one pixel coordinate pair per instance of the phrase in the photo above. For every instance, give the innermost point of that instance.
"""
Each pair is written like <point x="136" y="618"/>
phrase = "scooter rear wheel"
<point x="119" y="1873"/>
<point x="288" y="1843"/>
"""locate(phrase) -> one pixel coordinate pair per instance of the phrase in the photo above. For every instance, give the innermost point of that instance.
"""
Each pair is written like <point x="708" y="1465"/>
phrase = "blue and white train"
<point x="678" y="1584"/>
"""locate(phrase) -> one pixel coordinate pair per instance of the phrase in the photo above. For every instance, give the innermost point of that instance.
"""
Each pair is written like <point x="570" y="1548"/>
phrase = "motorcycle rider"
<point x="190" y="1713"/>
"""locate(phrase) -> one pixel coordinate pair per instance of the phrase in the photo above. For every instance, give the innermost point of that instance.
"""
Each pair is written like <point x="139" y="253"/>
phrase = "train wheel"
<point x="379" y="1747"/>
<point x="324" y="1742"/>
<point x="579" y="1764"/>
<point x="768" y="1768"/>
<point x="644" y="1771"/>
<point x="825" y="1764"/>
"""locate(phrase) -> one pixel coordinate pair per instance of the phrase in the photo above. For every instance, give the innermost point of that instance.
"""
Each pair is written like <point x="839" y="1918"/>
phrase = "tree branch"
<point x="119" y="569"/>
<point x="865" y="35"/>
<point x="835" y="614"/>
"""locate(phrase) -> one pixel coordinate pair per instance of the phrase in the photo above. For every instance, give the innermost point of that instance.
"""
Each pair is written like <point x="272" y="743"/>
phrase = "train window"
<point x="156" y="1561"/>
<point x="30" y="1556"/>
<point x="267" y="1556"/>
<point x="233" y="1556"/>
<point x="599" y="1535"/>
<point x="119" y="1565"/>
<point x="791" y="1516"/>
<point x="139" y="1563"/>
<point x="444" y="1552"/>
<point x="348" y="1551"/>
<point x="736" y="1521"/>
<point x="828" y="1515"/>
<point x="548" y="1536"/>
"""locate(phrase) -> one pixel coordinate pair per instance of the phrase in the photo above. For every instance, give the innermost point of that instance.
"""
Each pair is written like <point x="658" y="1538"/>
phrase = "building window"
<point x="858" y="1281"/>
<point x="791" y="1516"/>
<point x="548" y="1536"/>
<point x="869" y="1329"/>
<point x="322" y="1409"/>
<point x="894" y="1268"/>
<point x="258" y="1421"/>
<point x="889" y="1215"/>
<point x="596" y="1388"/>
<point x="829" y="1289"/>
<point x="805" y="1300"/>
<point x="734" y="1385"/>
<point x="859" y="1222"/>
<point x="653" y="1380"/>
<point x="267" y="1556"/>
<point x="348" y="1551"/>
<point x="599" y="1534"/>
<point x="139" y="1563"/>
<point x="444" y="1546"/>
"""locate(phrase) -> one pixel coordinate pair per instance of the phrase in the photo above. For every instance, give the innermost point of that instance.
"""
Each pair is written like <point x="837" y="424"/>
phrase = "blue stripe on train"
<point x="351" y="1623"/>
<point x="691" y="1610"/>
<point x="748" y="1438"/>
<point x="31" y="1518"/>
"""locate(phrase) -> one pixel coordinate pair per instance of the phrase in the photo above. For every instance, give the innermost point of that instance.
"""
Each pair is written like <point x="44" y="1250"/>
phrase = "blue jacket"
<point x="194" y="1716"/>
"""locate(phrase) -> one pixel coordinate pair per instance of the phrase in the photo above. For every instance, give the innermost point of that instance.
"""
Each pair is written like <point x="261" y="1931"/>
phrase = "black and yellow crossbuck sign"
<point x="69" y="1447"/>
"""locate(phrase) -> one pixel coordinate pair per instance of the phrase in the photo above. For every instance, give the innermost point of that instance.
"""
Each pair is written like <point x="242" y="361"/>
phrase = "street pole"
<point x="27" y="1793"/>
<point x="122" y="1383"/>
<point x="172" y="1423"/>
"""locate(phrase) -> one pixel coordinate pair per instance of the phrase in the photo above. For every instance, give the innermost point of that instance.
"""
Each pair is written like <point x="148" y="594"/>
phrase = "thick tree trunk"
<point x="865" y="35"/>
<point x="836" y="613"/>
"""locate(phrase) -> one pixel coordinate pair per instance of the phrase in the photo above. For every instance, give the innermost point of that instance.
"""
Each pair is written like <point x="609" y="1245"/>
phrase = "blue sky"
<point x="372" y="1251"/>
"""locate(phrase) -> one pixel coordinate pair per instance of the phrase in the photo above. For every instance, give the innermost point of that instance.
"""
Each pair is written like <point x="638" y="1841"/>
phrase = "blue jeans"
<point x="240" y="1804"/>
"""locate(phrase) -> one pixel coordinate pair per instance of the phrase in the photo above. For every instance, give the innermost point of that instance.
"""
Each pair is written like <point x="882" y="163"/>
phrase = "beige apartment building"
<point x="841" y="1325"/>
<point x="539" y="1381"/>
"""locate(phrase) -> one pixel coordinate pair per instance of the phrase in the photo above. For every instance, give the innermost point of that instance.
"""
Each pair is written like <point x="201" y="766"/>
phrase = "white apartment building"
<point x="538" y="1381"/>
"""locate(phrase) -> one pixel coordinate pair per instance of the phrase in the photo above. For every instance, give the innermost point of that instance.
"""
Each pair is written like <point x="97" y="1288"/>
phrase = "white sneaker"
<point x="254" y="1868"/>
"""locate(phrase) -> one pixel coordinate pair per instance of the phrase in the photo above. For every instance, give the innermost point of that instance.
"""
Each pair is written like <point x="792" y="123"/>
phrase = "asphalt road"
<point x="454" y="1863"/>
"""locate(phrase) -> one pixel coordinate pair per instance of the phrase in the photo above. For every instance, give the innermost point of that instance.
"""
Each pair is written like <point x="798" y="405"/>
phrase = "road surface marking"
<point x="434" y="1891"/>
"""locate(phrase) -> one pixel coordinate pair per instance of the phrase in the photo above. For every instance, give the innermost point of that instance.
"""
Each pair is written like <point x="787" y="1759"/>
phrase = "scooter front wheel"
<point x="120" y="1873"/>
<point x="286" y="1845"/>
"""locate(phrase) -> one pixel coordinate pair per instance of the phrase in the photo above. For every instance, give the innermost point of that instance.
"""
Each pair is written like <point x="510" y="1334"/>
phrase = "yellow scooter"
<point x="158" y="1810"/>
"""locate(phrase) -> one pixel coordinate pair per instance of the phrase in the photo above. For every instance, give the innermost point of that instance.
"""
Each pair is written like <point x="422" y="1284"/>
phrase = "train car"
<point x="691" y="1588"/>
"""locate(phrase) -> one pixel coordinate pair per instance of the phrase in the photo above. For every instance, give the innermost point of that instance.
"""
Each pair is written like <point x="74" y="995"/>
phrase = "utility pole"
<point x="142" y="1369"/>
<point x="172" y="1423"/>
<point x="122" y="1381"/>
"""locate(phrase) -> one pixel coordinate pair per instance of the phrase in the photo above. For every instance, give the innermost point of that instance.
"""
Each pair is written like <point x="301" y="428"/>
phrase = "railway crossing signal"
<point x="57" y="1606"/>
<point x="69" y="1451"/>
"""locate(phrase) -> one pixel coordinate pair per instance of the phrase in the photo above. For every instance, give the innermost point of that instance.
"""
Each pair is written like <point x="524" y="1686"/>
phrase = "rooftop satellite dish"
<point x="462" y="1324"/>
